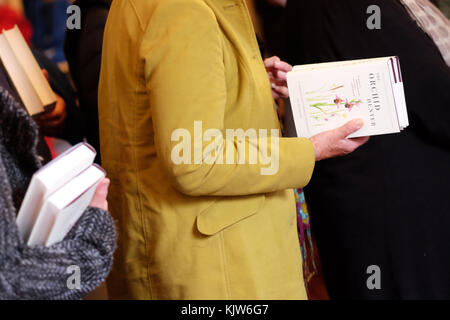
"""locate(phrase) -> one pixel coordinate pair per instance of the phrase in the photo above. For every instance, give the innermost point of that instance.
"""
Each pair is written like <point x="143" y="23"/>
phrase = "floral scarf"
<point x="305" y="236"/>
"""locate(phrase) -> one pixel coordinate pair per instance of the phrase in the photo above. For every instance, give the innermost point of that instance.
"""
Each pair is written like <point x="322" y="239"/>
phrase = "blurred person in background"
<point x="273" y="22"/>
<point x="83" y="49"/>
<point x="387" y="204"/>
<point x="48" y="18"/>
<point x="65" y="120"/>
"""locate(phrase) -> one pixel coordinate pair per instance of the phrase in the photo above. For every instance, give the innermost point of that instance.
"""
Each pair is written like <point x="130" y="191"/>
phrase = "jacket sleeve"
<point x="51" y="272"/>
<point x="185" y="74"/>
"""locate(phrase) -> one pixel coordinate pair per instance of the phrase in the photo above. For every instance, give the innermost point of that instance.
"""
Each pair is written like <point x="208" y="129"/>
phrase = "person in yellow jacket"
<point x="177" y="76"/>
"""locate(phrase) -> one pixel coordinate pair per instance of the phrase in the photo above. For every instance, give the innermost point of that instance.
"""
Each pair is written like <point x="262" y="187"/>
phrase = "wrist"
<point x="316" y="148"/>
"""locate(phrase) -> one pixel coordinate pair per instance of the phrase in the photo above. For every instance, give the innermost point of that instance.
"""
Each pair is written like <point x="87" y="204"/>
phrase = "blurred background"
<point x="46" y="22"/>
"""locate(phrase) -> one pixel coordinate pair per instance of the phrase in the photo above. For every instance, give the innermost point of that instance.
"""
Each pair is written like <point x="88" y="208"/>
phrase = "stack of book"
<point x="58" y="195"/>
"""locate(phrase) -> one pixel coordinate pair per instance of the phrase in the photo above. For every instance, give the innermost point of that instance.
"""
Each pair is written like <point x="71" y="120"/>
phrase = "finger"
<point x="56" y="114"/>
<point x="50" y="116"/>
<point x="45" y="72"/>
<point x="350" y="127"/>
<point x="58" y="111"/>
<point x="99" y="199"/>
<point x="360" y="140"/>
<point x="355" y="143"/>
<point x="283" y="66"/>
<point x="103" y="187"/>
<point x="282" y="91"/>
<point x="278" y="83"/>
<point x="270" y="62"/>
<point x="56" y="117"/>
<point x="53" y="123"/>
<point x="275" y="95"/>
<point x="280" y="76"/>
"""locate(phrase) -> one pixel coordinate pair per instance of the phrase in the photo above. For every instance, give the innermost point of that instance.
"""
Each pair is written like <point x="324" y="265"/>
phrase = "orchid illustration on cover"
<point x="330" y="102"/>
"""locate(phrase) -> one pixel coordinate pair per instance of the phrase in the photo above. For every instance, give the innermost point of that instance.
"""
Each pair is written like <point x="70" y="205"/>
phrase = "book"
<point x="63" y="208"/>
<point x="25" y="73"/>
<point x="325" y="96"/>
<point x="48" y="180"/>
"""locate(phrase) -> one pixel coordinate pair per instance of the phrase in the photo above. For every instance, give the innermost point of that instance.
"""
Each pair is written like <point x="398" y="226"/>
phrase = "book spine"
<point x="30" y="67"/>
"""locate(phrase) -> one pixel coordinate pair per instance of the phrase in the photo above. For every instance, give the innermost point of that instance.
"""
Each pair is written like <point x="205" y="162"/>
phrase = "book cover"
<point x="326" y="96"/>
<point x="48" y="180"/>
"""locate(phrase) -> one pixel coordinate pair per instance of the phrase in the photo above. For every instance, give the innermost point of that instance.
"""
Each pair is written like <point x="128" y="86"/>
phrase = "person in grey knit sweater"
<point x="43" y="272"/>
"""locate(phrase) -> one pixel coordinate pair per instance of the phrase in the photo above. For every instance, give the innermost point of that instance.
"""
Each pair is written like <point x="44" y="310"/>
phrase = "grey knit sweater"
<point x="41" y="272"/>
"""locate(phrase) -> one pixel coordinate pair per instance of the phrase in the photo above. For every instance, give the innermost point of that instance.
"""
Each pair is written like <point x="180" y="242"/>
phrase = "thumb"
<point x="350" y="127"/>
<point x="103" y="188"/>
<point x="99" y="199"/>
<point x="45" y="72"/>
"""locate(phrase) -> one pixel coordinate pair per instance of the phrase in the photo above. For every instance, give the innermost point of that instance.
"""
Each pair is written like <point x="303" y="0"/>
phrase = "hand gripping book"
<point x="327" y="95"/>
<point x="63" y="208"/>
<point x="48" y="180"/>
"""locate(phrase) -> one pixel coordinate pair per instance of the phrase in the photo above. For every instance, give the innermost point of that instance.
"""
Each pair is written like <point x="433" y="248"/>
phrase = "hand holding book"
<point x="51" y="122"/>
<point x="277" y="71"/>
<point x="335" y="143"/>
<point x="59" y="194"/>
<point x="325" y="96"/>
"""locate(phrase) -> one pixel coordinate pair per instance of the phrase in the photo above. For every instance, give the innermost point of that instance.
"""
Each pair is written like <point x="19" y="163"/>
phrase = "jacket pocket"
<point x="227" y="211"/>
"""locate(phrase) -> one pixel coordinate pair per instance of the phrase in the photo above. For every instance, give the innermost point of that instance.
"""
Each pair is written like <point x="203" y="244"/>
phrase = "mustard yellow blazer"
<point x="201" y="230"/>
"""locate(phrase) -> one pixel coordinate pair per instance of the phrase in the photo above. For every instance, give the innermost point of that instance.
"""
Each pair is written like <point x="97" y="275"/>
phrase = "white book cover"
<point x="49" y="179"/>
<point x="327" y="95"/>
<point x="63" y="208"/>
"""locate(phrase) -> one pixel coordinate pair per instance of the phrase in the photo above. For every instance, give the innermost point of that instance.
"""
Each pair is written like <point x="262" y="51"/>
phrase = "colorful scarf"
<point x="305" y="236"/>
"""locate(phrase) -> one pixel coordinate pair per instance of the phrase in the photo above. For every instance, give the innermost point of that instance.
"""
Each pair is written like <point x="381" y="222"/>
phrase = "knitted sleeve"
<point x="67" y="270"/>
